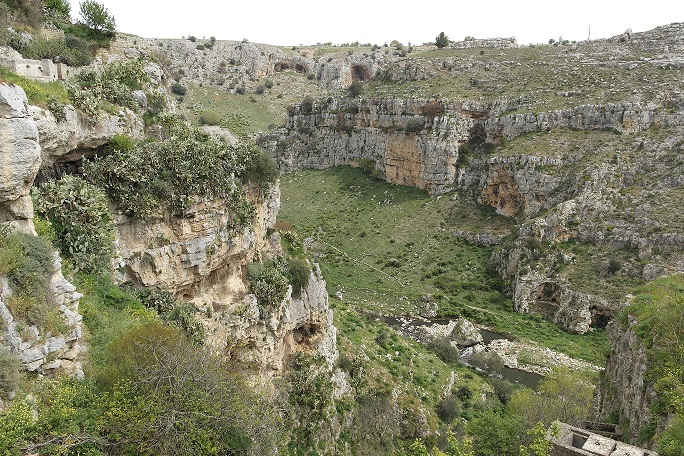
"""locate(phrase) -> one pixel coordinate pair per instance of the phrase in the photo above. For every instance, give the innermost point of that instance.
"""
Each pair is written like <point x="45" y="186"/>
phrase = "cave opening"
<point x="360" y="73"/>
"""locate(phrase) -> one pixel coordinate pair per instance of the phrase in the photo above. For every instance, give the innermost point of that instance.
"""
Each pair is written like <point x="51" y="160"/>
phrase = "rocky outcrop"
<point x="46" y="352"/>
<point x="496" y="43"/>
<point x="624" y="390"/>
<point x="19" y="157"/>
<point x="622" y="117"/>
<point x="203" y="261"/>
<point x="269" y="338"/>
<point x="411" y="142"/>
<point x="70" y="139"/>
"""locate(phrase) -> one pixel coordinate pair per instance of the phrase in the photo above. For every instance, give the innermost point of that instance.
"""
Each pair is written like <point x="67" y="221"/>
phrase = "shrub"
<point x="180" y="315"/>
<point x="268" y="84"/>
<point x="269" y="284"/>
<point x="413" y="126"/>
<point x="307" y="105"/>
<point x="260" y="89"/>
<point x="448" y="409"/>
<point x="299" y="272"/>
<point x="444" y="350"/>
<point x="207" y="408"/>
<point x="9" y="372"/>
<point x="210" y="118"/>
<point x="261" y="169"/>
<point x="167" y="174"/>
<point x="79" y="213"/>
<point x="178" y="89"/>
<point x="355" y="89"/>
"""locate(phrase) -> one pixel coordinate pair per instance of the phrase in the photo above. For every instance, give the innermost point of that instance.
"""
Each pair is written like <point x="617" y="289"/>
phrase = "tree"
<point x="442" y="40"/>
<point x="96" y="16"/>
<point x="355" y="89"/>
<point x="563" y="395"/>
<point x="172" y="397"/>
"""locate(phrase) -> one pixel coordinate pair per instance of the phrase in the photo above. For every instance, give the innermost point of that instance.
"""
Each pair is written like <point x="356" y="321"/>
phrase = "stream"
<point x="405" y="326"/>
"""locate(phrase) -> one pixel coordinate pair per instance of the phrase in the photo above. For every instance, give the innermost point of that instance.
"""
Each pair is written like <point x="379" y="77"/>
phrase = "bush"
<point x="9" y="372"/>
<point x="210" y="118"/>
<point x="413" y="126"/>
<point x="178" y="89"/>
<point x="444" y="350"/>
<point x="268" y="84"/>
<point x="260" y="89"/>
<point x="269" y="284"/>
<point x="300" y="273"/>
<point x="448" y="409"/>
<point x="355" y="89"/>
<point x="165" y="175"/>
<point x="261" y="169"/>
<point x="206" y="408"/>
<point x="307" y="105"/>
<point x="79" y="213"/>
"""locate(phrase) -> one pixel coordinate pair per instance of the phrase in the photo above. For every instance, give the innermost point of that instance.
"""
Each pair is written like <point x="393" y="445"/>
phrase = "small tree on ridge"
<point x="442" y="40"/>
<point x="96" y="16"/>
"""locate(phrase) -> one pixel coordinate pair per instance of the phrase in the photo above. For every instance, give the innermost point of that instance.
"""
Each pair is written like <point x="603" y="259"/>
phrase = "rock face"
<point x="203" y="261"/>
<point x="409" y="143"/>
<point x="46" y="353"/>
<point x="562" y="190"/>
<point x="20" y="160"/>
<point x="19" y="157"/>
<point x="624" y="391"/>
<point x="300" y="324"/>
<point x="70" y="139"/>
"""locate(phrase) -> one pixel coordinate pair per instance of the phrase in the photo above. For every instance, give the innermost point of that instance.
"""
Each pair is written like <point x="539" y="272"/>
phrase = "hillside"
<point x="447" y="224"/>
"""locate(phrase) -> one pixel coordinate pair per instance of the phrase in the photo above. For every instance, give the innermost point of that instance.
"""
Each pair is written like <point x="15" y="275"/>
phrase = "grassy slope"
<point x="385" y="247"/>
<point x="549" y="77"/>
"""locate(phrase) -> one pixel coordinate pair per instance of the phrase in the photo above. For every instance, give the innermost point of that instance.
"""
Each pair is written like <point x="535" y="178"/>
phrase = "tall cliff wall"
<point x="20" y="160"/>
<point x="203" y="261"/>
<point x="624" y="392"/>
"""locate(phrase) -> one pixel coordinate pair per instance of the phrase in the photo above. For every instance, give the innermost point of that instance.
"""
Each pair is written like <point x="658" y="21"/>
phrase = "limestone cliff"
<point x="19" y="157"/>
<point x="203" y="261"/>
<point x="568" y="191"/>
<point x="624" y="393"/>
<point x="20" y="160"/>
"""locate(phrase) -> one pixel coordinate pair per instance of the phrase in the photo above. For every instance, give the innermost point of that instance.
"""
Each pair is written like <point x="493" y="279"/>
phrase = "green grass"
<point x="38" y="93"/>
<point x="391" y="359"/>
<point x="387" y="248"/>
<point x="547" y="77"/>
<point x="248" y="113"/>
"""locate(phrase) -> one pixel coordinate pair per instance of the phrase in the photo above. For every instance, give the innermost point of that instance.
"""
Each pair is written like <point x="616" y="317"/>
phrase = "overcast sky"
<point x="294" y="22"/>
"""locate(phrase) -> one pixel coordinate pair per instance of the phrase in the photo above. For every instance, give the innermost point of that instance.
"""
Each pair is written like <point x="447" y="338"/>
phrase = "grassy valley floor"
<point x="390" y="250"/>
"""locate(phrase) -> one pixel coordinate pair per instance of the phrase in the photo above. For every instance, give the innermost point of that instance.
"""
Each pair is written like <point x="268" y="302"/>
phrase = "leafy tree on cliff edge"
<point x="96" y="16"/>
<point x="442" y="40"/>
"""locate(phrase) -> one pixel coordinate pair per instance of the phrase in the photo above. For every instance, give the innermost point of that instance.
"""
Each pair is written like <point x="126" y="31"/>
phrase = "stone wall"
<point x="42" y="70"/>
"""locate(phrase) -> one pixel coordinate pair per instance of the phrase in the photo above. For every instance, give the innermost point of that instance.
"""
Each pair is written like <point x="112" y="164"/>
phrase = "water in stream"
<point x="529" y="379"/>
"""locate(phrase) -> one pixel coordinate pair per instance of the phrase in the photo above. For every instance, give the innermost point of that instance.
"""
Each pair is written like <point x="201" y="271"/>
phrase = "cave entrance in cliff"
<point x="281" y="66"/>
<point x="360" y="73"/>
<point x="546" y="299"/>
<point x="306" y="335"/>
<point x="302" y="69"/>
<point x="599" y="317"/>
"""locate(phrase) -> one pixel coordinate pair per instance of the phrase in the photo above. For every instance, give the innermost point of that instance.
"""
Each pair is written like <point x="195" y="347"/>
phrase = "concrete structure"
<point x="42" y="70"/>
<point x="572" y="441"/>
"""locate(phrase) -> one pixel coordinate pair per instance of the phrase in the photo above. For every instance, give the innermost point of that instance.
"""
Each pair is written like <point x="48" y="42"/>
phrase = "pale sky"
<point x="295" y="22"/>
